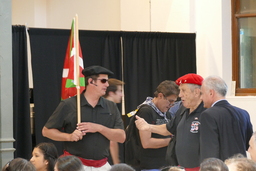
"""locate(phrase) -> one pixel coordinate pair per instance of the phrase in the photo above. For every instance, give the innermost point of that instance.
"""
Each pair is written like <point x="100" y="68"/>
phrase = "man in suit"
<point x="225" y="129"/>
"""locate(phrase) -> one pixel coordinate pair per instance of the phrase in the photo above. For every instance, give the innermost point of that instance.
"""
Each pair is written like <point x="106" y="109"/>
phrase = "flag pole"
<point x="77" y="70"/>
<point x="122" y="63"/>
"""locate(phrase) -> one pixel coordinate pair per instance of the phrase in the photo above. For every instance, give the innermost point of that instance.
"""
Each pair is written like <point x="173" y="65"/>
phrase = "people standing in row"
<point x="100" y="122"/>
<point x="186" y="125"/>
<point x="229" y="127"/>
<point x="114" y="93"/>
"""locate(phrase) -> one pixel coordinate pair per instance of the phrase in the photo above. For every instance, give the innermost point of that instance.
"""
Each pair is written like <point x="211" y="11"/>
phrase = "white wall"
<point x="21" y="13"/>
<point x="209" y="19"/>
<point x="92" y="14"/>
<point x="173" y="15"/>
<point x="135" y="15"/>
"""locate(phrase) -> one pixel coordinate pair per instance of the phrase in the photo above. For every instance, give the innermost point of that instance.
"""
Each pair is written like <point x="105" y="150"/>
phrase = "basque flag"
<point x="69" y="78"/>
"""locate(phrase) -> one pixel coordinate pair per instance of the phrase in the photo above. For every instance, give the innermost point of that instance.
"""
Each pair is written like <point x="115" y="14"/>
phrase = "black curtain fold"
<point x="48" y="48"/>
<point x="101" y="48"/>
<point x="21" y="97"/>
<point x="150" y="58"/>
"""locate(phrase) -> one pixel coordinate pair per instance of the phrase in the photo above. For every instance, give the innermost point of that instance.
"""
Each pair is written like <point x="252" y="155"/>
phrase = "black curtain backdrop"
<point x="48" y="48"/>
<point x="21" y="98"/>
<point x="149" y="58"/>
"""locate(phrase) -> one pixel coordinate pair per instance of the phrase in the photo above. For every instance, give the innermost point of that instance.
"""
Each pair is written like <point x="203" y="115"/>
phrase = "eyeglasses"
<point x="103" y="81"/>
<point x="171" y="102"/>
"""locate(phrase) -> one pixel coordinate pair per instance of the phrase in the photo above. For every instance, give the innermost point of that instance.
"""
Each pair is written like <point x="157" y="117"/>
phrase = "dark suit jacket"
<point x="225" y="131"/>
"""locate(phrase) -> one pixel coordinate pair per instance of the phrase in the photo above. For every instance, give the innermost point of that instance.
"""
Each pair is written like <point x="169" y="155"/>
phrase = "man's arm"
<point x="114" y="151"/>
<point x="148" y="142"/>
<point x="57" y="135"/>
<point x="117" y="135"/>
<point x="142" y="125"/>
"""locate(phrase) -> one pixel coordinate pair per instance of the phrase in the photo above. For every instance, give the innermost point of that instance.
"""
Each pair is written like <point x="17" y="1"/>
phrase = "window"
<point x="244" y="46"/>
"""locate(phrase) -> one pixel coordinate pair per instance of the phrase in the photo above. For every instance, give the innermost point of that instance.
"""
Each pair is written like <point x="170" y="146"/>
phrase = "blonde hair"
<point x="241" y="163"/>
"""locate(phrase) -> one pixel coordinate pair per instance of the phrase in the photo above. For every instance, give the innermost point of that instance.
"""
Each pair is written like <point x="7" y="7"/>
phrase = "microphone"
<point x="93" y="83"/>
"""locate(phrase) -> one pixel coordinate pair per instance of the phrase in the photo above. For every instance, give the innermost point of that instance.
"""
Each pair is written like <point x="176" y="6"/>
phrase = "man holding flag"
<point x="100" y="122"/>
<point x="86" y="122"/>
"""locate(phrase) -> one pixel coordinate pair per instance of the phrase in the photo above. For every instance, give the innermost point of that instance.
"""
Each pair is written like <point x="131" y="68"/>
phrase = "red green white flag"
<point x="69" y="74"/>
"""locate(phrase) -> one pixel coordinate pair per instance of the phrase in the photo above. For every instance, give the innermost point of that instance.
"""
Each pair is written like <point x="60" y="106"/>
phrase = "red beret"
<point x="190" y="78"/>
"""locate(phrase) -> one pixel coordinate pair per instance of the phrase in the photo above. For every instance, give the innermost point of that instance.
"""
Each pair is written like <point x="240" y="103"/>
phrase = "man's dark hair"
<point x="94" y="77"/>
<point x="167" y="88"/>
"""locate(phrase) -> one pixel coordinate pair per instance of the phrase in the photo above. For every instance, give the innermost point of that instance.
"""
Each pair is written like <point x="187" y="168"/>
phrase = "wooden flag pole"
<point x="122" y="61"/>
<point x="77" y="70"/>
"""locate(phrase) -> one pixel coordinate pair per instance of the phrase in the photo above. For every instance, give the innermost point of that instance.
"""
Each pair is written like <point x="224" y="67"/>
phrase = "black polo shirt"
<point x="187" y="137"/>
<point x="93" y="145"/>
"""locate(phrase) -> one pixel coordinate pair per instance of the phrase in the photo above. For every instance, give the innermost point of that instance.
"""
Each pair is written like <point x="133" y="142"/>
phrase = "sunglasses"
<point x="103" y="81"/>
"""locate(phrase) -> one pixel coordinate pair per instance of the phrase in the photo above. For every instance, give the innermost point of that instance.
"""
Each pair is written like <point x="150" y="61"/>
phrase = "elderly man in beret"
<point x="100" y="122"/>
<point x="185" y="127"/>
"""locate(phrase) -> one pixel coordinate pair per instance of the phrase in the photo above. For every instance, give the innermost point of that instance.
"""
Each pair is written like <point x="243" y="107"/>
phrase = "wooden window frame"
<point x="235" y="6"/>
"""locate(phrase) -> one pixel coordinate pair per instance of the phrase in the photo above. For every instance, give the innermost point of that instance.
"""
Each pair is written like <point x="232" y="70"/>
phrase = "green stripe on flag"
<point x="70" y="82"/>
<point x="82" y="81"/>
